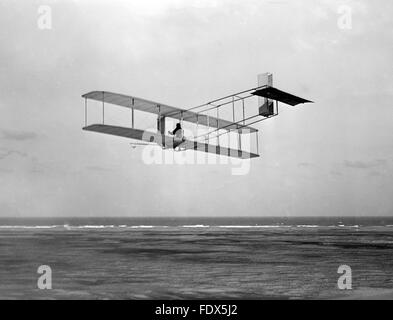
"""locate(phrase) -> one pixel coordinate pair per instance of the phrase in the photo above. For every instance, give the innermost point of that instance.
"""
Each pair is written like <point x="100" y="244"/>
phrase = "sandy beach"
<point x="196" y="259"/>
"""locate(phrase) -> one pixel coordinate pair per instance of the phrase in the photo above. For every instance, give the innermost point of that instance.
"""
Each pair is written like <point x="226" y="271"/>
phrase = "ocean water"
<point x="195" y="258"/>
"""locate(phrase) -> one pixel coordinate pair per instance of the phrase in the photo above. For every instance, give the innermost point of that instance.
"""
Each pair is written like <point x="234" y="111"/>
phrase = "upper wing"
<point x="276" y="94"/>
<point x="165" y="110"/>
<point x="158" y="138"/>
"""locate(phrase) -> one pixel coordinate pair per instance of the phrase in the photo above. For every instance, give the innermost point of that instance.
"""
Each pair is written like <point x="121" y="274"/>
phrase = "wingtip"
<point x="87" y="94"/>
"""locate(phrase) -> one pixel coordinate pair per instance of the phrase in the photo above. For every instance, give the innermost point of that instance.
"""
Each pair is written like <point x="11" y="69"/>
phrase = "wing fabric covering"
<point x="153" y="137"/>
<point x="165" y="110"/>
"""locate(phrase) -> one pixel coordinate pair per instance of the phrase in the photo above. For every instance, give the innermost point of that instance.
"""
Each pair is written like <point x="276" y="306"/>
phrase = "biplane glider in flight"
<point x="241" y="117"/>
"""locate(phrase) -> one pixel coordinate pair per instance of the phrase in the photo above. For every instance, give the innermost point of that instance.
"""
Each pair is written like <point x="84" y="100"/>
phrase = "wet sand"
<point x="196" y="263"/>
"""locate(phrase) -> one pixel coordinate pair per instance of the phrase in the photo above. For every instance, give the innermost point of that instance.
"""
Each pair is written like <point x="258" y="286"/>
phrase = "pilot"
<point x="178" y="127"/>
<point x="178" y="138"/>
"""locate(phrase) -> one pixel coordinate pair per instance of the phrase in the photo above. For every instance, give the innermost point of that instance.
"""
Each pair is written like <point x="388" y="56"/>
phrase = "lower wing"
<point x="166" y="141"/>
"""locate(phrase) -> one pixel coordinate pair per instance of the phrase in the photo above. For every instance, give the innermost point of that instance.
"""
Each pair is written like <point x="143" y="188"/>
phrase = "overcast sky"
<point x="333" y="157"/>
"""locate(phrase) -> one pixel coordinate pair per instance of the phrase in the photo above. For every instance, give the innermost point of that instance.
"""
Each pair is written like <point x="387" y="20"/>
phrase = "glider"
<point x="199" y="116"/>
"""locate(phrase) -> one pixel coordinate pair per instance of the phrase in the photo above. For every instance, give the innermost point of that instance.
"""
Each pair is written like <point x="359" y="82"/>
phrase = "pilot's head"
<point x="178" y="125"/>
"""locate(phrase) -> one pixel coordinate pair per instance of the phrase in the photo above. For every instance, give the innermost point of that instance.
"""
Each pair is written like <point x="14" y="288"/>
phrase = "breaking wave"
<point x="195" y="226"/>
<point x="257" y="226"/>
<point x="190" y="226"/>
<point x="29" y="227"/>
